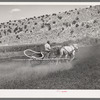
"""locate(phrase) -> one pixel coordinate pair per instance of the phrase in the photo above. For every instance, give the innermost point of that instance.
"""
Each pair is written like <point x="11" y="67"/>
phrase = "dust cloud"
<point x="18" y="70"/>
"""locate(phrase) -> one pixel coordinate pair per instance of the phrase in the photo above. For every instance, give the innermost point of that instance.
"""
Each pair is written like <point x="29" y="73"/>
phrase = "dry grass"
<point x="83" y="73"/>
<point x="15" y="74"/>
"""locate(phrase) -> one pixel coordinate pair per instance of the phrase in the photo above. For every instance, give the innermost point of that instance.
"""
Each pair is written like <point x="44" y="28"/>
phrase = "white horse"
<point x="67" y="51"/>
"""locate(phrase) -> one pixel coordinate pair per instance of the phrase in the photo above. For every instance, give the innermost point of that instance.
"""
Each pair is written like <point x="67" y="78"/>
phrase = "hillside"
<point x="82" y="26"/>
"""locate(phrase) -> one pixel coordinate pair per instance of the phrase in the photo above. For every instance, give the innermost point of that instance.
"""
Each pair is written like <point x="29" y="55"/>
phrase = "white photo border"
<point x="46" y="93"/>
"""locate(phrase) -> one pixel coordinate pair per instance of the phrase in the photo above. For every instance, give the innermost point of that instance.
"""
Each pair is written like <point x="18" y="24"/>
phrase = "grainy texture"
<point x="80" y="25"/>
<point x="82" y="73"/>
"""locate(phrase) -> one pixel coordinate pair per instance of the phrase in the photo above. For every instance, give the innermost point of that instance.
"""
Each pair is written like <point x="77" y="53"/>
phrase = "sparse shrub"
<point x="25" y="26"/>
<point x="66" y="24"/>
<point x="38" y="17"/>
<point x="9" y="23"/>
<point x="20" y="29"/>
<point x="90" y="6"/>
<point x="5" y="32"/>
<point x="49" y="27"/>
<point x="95" y="21"/>
<point x="78" y="12"/>
<point x="72" y="31"/>
<point x="42" y="16"/>
<point x="35" y="23"/>
<point x="17" y="37"/>
<point x="15" y="29"/>
<point x="54" y="14"/>
<point x="75" y="9"/>
<point x="98" y="11"/>
<point x="74" y="22"/>
<point x="59" y="17"/>
<point x="77" y="18"/>
<point x="62" y="28"/>
<point x="71" y="10"/>
<point x="30" y="31"/>
<point x="0" y="41"/>
<point x="82" y="24"/>
<point x="77" y="25"/>
<point x="9" y="30"/>
<point x="47" y="15"/>
<point x="65" y="11"/>
<point x="87" y="26"/>
<point x="54" y="22"/>
<point x="42" y="20"/>
<point x="19" y="21"/>
<point x="31" y="18"/>
<point x="34" y="17"/>
<point x="68" y="13"/>
<point x="42" y="26"/>
<point x="28" y="22"/>
<point x="9" y="20"/>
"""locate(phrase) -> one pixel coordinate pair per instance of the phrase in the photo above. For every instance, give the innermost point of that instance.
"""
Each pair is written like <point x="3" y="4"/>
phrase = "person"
<point x="47" y="48"/>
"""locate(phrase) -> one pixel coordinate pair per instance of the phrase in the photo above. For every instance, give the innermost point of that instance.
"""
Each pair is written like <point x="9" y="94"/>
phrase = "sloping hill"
<point x="80" y="26"/>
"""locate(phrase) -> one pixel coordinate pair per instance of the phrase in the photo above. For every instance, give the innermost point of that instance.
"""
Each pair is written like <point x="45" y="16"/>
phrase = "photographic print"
<point x="50" y="46"/>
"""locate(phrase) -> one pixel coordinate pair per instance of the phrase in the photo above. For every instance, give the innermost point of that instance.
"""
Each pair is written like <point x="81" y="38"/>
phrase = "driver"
<point x="47" y="48"/>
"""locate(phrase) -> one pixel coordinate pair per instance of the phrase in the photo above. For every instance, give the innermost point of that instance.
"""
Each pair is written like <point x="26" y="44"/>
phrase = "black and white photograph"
<point x="50" y="46"/>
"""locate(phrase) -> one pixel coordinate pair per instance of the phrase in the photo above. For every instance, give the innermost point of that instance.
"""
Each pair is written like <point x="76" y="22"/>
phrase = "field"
<point x="82" y="73"/>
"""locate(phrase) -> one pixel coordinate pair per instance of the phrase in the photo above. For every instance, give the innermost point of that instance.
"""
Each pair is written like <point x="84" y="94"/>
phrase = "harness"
<point x="69" y="53"/>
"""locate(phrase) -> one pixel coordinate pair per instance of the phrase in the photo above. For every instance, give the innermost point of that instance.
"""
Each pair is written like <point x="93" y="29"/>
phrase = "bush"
<point x="95" y="21"/>
<point x="77" y="25"/>
<point x="42" y="26"/>
<point x="71" y="10"/>
<point x="9" y="30"/>
<point x="66" y="24"/>
<point x="65" y="11"/>
<point x="74" y="22"/>
<point x="54" y="14"/>
<point x="34" y="17"/>
<point x="35" y="23"/>
<point x="49" y="28"/>
<point x="72" y="31"/>
<point x="78" y="13"/>
<point x="54" y="22"/>
<point x="98" y="11"/>
<point x="17" y="37"/>
<point x="15" y="29"/>
<point x="82" y="24"/>
<point x="25" y="26"/>
<point x="59" y="17"/>
<point x="77" y="18"/>
<point x="87" y="26"/>
<point x="62" y="28"/>
<point x="68" y="13"/>
<point x="5" y="32"/>
<point x="28" y="22"/>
